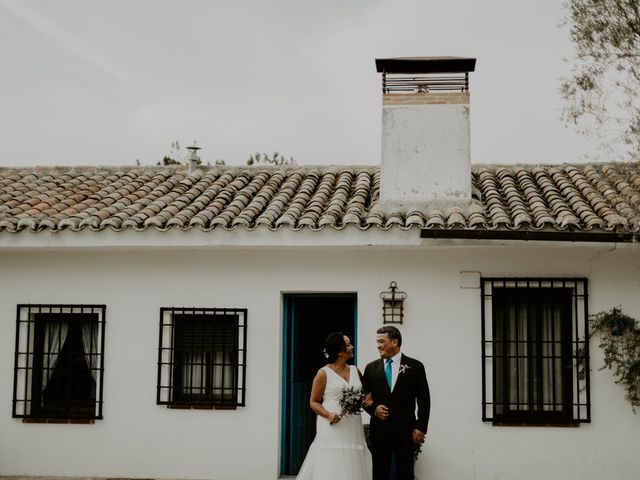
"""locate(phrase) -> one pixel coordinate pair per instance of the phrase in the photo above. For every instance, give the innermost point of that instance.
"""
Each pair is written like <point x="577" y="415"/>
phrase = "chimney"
<point x="193" y="160"/>
<point x="425" y="132"/>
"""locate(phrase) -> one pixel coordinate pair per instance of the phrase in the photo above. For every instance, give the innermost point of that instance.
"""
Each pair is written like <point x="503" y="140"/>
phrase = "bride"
<point x="339" y="451"/>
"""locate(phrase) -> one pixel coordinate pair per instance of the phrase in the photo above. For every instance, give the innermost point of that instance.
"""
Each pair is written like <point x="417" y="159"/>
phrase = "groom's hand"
<point x="418" y="436"/>
<point x="382" y="412"/>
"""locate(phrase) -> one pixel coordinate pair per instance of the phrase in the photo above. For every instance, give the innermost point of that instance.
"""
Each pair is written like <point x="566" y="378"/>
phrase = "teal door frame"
<point x="307" y="319"/>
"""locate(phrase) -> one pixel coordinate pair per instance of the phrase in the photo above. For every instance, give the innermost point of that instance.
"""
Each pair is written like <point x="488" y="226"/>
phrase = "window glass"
<point x="202" y="357"/>
<point x="59" y="362"/>
<point x="535" y="351"/>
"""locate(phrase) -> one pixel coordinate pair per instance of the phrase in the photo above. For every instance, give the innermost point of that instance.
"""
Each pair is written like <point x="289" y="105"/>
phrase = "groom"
<point x="397" y="383"/>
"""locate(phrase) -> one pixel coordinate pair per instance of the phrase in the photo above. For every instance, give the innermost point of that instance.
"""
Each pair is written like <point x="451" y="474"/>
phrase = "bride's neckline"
<point x="348" y="370"/>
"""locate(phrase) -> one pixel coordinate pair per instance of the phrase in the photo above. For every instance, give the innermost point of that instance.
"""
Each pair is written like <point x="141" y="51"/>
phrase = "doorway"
<point x="308" y="319"/>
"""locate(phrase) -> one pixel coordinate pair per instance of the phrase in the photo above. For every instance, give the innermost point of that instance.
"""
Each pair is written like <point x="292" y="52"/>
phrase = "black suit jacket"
<point x="411" y="389"/>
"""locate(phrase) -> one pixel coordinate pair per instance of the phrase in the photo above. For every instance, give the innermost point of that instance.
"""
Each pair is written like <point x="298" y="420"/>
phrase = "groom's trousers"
<point x="382" y="452"/>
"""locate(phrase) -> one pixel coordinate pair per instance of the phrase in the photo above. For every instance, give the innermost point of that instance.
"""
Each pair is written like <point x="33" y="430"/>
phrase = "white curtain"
<point x="529" y="342"/>
<point x="90" y="345"/>
<point x="217" y="366"/>
<point x="518" y="361"/>
<point x="193" y="373"/>
<point x="551" y="375"/>
<point x="535" y="376"/>
<point x="55" y="334"/>
<point x="224" y="374"/>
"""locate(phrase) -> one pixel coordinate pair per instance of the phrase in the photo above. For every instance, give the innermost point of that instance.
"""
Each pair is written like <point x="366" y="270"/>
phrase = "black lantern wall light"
<point x="393" y="304"/>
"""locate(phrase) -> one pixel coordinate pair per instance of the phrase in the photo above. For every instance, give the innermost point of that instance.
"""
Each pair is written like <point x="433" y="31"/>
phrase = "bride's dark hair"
<point x="333" y="345"/>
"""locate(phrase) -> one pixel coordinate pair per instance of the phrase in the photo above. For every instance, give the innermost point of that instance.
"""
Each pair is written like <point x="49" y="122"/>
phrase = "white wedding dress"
<point x="339" y="451"/>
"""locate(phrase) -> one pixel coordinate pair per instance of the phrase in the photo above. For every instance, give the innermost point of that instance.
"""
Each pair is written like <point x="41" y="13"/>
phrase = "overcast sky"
<point x="89" y="82"/>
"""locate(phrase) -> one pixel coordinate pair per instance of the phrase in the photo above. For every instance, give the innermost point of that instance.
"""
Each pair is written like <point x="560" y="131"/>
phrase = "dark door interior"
<point x="308" y="320"/>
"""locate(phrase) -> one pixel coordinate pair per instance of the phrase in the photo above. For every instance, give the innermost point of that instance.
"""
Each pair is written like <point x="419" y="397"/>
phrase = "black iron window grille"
<point x="535" y="351"/>
<point x="59" y="362"/>
<point x="202" y="357"/>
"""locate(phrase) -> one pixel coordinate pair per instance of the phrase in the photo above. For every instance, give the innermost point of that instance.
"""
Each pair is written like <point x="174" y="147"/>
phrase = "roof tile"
<point x="577" y="197"/>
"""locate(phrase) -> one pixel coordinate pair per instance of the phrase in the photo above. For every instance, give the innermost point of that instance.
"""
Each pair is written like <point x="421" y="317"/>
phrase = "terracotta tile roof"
<point x="533" y="197"/>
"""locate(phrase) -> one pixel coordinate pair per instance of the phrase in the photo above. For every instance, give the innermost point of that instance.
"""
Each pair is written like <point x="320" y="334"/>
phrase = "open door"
<point x="308" y="319"/>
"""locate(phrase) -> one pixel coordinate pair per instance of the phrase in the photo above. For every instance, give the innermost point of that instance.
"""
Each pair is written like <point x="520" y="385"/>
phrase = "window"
<point x="202" y="357"/>
<point x="59" y="362"/>
<point x="535" y="353"/>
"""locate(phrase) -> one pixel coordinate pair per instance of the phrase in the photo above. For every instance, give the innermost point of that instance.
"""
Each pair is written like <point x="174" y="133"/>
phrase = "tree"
<point x="601" y="92"/>
<point x="175" y="157"/>
<point x="264" y="159"/>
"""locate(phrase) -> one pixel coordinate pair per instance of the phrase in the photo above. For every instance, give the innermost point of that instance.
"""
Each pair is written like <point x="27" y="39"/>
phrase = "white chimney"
<point x="193" y="160"/>
<point x="426" y="157"/>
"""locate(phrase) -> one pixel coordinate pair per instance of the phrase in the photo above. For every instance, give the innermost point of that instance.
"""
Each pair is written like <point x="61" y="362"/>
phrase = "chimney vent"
<point x="193" y="159"/>
<point x="426" y="156"/>
<point x="425" y="74"/>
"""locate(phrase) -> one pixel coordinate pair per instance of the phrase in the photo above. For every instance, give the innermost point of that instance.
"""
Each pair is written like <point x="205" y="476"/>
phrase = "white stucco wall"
<point x="138" y="438"/>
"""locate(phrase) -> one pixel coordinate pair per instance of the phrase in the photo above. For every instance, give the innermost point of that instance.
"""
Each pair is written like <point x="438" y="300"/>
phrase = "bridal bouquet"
<point x="350" y="400"/>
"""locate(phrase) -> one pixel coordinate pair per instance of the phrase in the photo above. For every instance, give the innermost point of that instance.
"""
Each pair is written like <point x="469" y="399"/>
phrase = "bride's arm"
<point x="315" y="401"/>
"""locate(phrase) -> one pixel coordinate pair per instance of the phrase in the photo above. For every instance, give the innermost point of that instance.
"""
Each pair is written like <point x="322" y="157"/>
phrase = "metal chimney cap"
<point x="425" y="65"/>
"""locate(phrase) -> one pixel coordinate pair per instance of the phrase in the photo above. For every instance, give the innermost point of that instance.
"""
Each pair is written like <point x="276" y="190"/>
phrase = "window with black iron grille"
<point x="59" y="362"/>
<point x="202" y="357"/>
<point x="535" y="351"/>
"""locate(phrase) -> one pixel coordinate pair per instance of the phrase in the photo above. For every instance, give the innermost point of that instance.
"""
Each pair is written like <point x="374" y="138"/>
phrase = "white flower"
<point x="403" y="368"/>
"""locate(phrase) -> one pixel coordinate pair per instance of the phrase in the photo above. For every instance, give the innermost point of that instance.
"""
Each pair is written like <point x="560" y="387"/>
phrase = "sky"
<point x="88" y="82"/>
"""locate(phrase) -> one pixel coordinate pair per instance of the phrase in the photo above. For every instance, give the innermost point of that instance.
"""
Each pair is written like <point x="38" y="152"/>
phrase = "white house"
<point x="166" y="323"/>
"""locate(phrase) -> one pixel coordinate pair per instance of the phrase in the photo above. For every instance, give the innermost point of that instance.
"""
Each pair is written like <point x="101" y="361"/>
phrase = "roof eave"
<point x="593" y="236"/>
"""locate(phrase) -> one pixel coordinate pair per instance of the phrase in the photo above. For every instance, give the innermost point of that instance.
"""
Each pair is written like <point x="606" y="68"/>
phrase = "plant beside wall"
<point x="620" y="342"/>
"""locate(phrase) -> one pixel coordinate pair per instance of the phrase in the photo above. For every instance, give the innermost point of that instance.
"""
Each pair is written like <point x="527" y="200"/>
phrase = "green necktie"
<point x="387" y="372"/>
